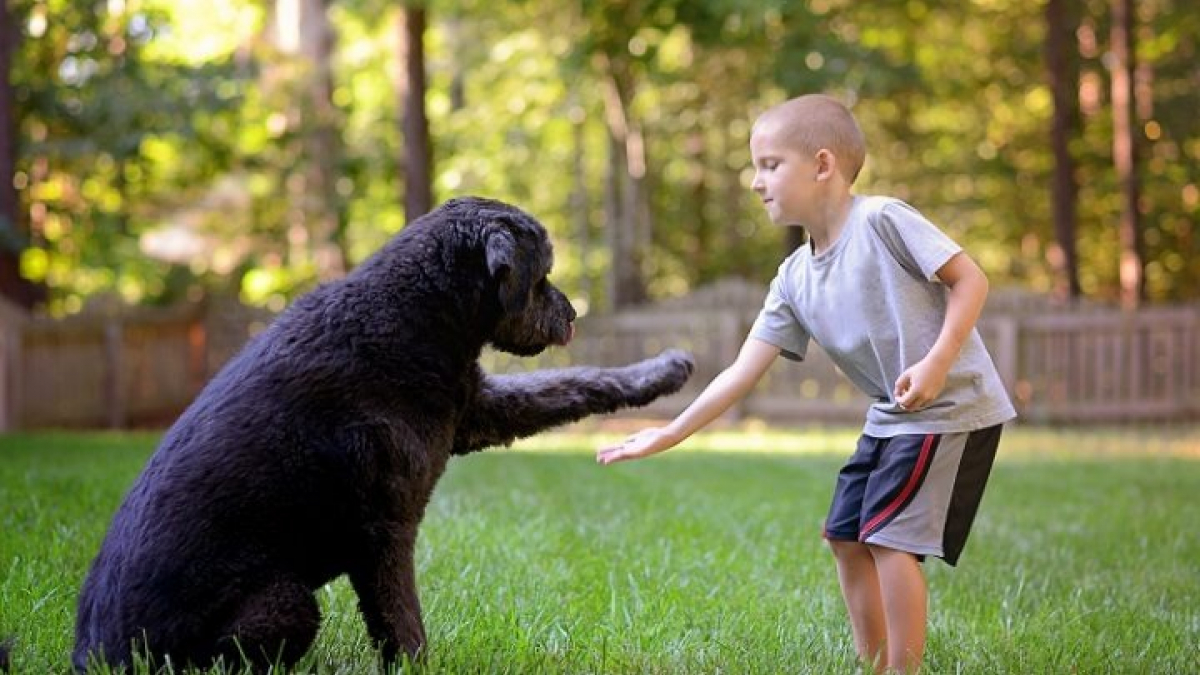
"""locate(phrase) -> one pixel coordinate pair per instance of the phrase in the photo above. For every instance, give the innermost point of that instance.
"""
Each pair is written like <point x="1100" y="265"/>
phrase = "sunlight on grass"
<point x="747" y="437"/>
<point x="707" y="559"/>
<point x="1019" y="441"/>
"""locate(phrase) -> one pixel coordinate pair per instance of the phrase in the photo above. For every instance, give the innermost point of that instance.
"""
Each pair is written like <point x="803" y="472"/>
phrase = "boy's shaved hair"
<point x="815" y="121"/>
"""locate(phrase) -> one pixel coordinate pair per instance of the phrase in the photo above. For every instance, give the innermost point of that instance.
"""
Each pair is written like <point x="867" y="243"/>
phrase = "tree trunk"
<point x="317" y="228"/>
<point x="580" y="206"/>
<point x="1062" y="69"/>
<point x="627" y="211"/>
<point x="12" y="286"/>
<point x="418" y="158"/>
<point x="1125" y="151"/>
<point x="325" y="143"/>
<point x="701" y="248"/>
<point x="616" y="225"/>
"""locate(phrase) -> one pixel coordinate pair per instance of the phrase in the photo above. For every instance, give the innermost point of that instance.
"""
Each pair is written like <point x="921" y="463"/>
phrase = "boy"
<point x="894" y="303"/>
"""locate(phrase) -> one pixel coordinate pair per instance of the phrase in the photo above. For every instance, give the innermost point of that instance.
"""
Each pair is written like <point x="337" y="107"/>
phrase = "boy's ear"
<point x="826" y="164"/>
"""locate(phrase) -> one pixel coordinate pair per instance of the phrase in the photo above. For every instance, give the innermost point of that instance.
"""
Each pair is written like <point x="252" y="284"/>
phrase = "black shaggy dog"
<point x="315" y="451"/>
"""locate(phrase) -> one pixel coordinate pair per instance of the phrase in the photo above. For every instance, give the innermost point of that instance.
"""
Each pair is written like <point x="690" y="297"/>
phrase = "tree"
<point x="1125" y="155"/>
<point x="317" y="227"/>
<point x="12" y="285"/>
<point x="131" y="124"/>
<point x="417" y="155"/>
<point x="626" y="206"/>
<point x="1063" y="74"/>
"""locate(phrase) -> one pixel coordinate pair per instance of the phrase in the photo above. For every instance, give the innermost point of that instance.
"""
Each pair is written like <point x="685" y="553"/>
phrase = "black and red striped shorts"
<point x="914" y="493"/>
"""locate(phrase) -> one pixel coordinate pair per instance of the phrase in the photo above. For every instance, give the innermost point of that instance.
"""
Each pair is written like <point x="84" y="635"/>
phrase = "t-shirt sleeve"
<point x="917" y="244"/>
<point x="777" y="322"/>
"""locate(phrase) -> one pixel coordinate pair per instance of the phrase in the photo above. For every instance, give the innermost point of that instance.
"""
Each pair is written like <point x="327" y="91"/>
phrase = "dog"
<point x="314" y="452"/>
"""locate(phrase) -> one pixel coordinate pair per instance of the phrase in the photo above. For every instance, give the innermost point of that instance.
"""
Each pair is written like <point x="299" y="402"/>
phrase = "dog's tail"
<point x="6" y="646"/>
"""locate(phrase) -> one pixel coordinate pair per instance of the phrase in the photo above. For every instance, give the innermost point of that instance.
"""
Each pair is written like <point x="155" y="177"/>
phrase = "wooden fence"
<point x="1086" y="364"/>
<point x="1083" y="364"/>
<point x="12" y="326"/>
<point x="129" y="367"/>
<point x="116" y="371"/>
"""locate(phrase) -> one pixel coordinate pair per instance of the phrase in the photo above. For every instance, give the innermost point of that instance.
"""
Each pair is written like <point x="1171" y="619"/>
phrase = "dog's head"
<point x="518" y="256"/>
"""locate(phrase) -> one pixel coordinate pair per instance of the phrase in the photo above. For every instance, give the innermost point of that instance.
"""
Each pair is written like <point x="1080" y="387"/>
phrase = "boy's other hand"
<point x="642" y="444"/>
<point x="920" y="385"/>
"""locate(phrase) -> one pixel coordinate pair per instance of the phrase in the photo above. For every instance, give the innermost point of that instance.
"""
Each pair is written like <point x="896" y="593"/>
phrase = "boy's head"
<point x="816" y="122"/>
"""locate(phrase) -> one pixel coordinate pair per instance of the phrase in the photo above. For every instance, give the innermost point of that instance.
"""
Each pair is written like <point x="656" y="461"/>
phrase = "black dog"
<point x="314" y="452"/>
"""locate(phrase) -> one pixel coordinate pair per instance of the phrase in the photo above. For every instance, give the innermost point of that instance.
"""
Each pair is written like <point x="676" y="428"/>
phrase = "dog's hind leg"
<point x="509" y="407"/>
<point x="274" y="626"/>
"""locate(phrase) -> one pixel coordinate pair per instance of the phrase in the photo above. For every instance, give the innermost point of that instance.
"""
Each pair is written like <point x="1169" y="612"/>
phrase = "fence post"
<point x="1191" y="365"/>
<point x="197" y="340"/>
<point x="6" y="368"/>
<point x="1005" y="350"/>
<point x="12" y="334"/>
<point x="114" y="378"/>
<point x="731" y="337"/>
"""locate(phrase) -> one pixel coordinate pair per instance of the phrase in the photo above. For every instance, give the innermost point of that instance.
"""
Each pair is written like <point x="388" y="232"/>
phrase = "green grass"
<point x="1085" y="557"/>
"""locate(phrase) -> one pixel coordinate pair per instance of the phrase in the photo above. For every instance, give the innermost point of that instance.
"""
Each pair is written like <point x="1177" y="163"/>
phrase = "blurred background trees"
<point x="161" y="149"/>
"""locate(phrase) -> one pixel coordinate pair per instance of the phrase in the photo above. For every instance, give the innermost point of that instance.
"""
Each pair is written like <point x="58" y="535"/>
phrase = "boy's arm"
<point x="918" y="386"/>
<point x="725" y="389"/>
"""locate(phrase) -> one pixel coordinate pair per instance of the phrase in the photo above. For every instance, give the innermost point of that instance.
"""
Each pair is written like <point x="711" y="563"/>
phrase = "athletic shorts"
<point x="916" y="493"/>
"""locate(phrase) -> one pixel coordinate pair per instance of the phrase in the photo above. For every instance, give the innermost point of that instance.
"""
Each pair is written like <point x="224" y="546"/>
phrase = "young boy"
<point x="893" y="302"/>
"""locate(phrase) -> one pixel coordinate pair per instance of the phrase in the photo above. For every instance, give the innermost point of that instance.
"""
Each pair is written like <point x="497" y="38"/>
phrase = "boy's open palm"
<point x="644" y="443"/>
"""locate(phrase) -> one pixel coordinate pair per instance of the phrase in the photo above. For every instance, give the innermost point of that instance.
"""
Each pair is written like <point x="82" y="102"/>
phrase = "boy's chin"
<point x="780" y="220"/>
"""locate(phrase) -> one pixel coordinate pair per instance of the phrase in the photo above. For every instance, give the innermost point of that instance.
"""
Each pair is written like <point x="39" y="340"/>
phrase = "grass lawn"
<point x="1085" y="557"/>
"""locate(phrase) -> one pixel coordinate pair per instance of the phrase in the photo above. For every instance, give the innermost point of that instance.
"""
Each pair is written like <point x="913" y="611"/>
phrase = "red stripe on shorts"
<point x="913" y="480"/>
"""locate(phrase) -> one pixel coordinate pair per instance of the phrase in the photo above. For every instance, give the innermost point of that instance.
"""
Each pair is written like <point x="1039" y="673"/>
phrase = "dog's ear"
<point x="501" y="250"/>
<point x="506" y="268"/>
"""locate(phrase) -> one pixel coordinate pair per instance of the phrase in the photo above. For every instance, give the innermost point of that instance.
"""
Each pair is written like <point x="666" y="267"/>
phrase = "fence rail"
<point x="1083" y="364"/>
<point x="1058" y="368"/>
<point x="143" y="367"/>
<point x="117" y="371"/>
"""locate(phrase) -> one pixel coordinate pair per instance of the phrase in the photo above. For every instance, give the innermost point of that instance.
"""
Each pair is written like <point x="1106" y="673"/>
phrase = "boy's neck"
<point x="832" y="219"/>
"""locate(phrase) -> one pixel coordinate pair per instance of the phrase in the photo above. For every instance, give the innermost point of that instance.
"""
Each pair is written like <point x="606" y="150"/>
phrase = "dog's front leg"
<point x="509" y="407"/>
<point x="387" y="596"/>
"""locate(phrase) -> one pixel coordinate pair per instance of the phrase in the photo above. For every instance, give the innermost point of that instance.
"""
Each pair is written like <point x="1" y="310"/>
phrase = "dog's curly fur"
<point x="314" y="452"/>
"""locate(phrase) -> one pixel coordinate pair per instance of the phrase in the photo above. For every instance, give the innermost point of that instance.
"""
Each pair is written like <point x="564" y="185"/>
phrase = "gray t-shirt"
<point x="872" y="301"/>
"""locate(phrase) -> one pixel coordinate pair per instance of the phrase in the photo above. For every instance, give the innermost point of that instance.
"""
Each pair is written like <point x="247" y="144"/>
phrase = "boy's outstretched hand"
<point x="642" y="444"/>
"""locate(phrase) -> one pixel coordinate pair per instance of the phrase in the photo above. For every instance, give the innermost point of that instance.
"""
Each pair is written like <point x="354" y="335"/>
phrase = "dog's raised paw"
<point x="680" y="359"/>
<point x="671" y="369"/>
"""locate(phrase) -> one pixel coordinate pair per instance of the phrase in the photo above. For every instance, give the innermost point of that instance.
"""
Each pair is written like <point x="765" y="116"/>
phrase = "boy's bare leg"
<point x="902" y="584"/>
<point x="864" y="601"/>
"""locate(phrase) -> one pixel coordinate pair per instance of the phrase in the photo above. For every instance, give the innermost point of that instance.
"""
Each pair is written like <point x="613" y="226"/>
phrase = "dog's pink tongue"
<point x="570" y="333"/>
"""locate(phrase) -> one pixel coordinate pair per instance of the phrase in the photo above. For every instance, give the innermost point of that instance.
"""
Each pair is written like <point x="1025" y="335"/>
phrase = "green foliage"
<point x="107" y="132"/>
<point x="703" y="560"/>
<point x="155" y="120"/>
